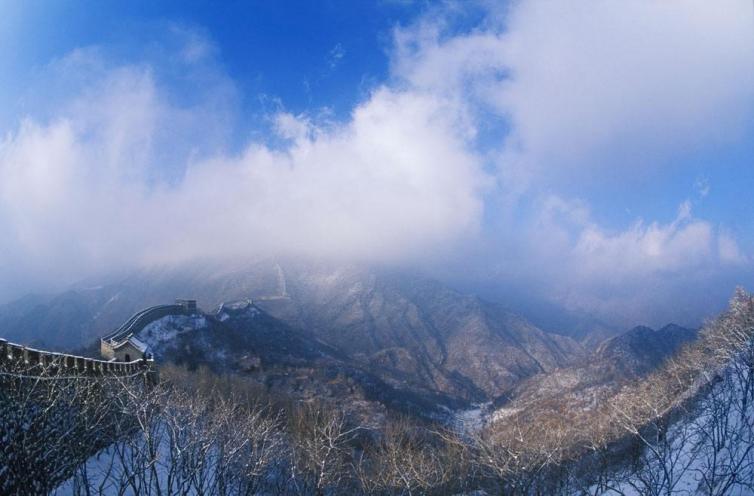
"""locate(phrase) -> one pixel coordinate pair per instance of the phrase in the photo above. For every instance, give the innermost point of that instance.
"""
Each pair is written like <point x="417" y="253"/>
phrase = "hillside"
<point x="241" y="340"/>
<point x="419" y="328"/>
<point x="413" y="332"/>
<point x="642" y="349"/>
<point x="684" y="427"/>
<point x="616" y="363"/>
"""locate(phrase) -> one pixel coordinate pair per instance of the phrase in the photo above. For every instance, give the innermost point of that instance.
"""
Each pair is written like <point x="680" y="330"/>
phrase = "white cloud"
<point x="336" y="55"/>
<point x="581" y="250"/>
<point x="84" y="191"/>
<point x="729" y="251"/>
<point x="119" y="169"/>
<point x="590" y="77"/>
<point x="194" y="46"/>
<point x="645" y="250"/>
<point x="605" y="93"/>
<point x="647" y="272"/>
<point x="372" y="188"/>
<point x="702" y="187"/>
<point x="589" y="84"/>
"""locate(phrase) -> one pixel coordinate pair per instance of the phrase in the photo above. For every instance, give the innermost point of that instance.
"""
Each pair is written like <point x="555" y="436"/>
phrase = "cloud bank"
<point x="481" y="137"/>
<point x="87" y="189"/>
<point x="601" y="96"/>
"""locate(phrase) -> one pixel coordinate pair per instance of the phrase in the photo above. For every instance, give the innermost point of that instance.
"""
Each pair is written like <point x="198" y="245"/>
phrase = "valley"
<point x="390" y="364"/>
<point x="399" y="336"/>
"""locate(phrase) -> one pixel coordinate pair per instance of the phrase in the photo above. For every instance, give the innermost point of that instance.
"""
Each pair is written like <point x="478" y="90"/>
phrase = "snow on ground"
<point x="103" y="473"/>
<point x="245" y="308"/>
<point x="168" y="328"/>
<point x="715" y="438"/>
<point x="471" y="420"/>
<point x="503" y="413"/>
<point x="109" y="471"/>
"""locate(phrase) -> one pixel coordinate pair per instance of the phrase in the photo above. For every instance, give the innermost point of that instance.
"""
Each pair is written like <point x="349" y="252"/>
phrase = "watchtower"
<point x="189" y="306"/>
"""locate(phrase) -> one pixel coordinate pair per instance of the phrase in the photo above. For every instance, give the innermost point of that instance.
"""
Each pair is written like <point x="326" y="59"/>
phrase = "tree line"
<point x="686" y="427"/>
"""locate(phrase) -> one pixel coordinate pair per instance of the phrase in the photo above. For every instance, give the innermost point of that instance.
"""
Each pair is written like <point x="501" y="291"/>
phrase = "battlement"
<point x="189" y="306"/>
<point x="15" y="356"/>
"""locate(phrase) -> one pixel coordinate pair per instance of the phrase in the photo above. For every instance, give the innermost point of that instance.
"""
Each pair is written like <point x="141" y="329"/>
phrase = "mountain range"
<point x="391" y="334"/>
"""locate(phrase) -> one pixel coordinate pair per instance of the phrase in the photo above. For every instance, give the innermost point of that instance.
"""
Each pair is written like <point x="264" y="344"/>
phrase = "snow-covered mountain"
<point x="412" y="330"/>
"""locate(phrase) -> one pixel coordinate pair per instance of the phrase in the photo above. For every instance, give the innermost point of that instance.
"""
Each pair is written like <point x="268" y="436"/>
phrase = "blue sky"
<point x="595" y="154"/>
<point x="306" y="53"/>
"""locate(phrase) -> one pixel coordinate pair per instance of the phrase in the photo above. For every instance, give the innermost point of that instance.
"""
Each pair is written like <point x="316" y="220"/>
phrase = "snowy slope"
<point x="710" y="450"/>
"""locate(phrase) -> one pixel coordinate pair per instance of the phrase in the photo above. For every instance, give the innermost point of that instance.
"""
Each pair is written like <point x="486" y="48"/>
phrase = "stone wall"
<point x="13" y="354"/>
<point x="57" y="410"/>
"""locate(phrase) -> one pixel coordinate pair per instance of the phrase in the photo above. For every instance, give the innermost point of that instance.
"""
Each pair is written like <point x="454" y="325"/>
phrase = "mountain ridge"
<point x="403" y="327"/>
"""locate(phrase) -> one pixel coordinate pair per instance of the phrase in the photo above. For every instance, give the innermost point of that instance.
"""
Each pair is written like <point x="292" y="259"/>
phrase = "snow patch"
<point x="242" y="308"/>
<point x="168" y="328"/>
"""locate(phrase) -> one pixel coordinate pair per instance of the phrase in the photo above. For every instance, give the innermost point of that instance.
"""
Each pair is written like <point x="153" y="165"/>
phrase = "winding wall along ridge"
<point x="140" y="319"/>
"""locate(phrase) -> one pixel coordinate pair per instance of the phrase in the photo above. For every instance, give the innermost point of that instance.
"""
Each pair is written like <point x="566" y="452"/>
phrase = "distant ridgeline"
<point x="57" y="410"/>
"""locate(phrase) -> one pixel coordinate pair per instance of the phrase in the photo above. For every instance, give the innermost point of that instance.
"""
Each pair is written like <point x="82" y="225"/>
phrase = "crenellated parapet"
<point x="58" y="409"/>
<point x="30" y="361"/>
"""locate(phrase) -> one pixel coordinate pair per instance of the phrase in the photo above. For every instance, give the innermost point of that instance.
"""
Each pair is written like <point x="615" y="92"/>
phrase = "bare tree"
<point x="322" y="450"/>
<point x="408" y="459"/>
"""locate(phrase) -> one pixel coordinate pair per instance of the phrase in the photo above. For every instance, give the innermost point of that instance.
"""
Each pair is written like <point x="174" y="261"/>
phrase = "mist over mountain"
<point x="377" y="346"/>
<point x="412" y="328"/>
<point x="452" y="149"/>
<point x="464" y="247"/>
